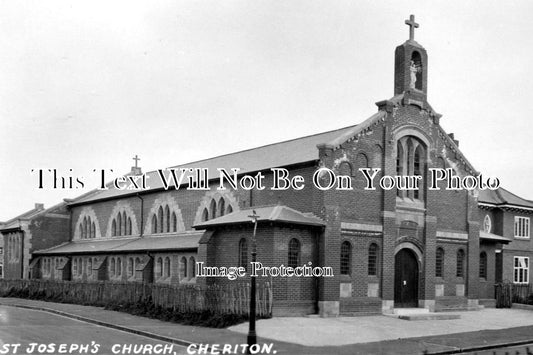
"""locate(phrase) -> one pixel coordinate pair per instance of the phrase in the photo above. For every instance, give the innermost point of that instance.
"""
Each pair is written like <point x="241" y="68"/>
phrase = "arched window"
<point x="346" y="253"/>
<point x="221" y="207"/>
<point x="89" y="228"/>
<point x="80" y="269"/>
<point x="213" y="209"/>
<point x="93" y="234"/>
<point x="90" y="266"/>
<point x="205" y="215"/>
<point x="439" y="262"/>
<point x="174" y="222"/>
<point x="483" y="265"/>
<point x="160" y="219"/>
<point x="345" y="168"/>
<point x="229" y="209"/>
<point x="159" y="267"/>
<point x="167" y="217"/>
<point x="183" y="268"/>
<point x="167" y="267"/>
<point x="74" y="267"/>
<point x="119" y="266"/>
<point x="460" y="263"/>
<point x="154" y="224"/>
<point x="416" y="60"/>
<point x="125" y="222"/>
<point x="130" y="267"/>
<point x="373" y="260"/>
<point x="120" y="231"/>
<point x="84" y="234"/>
<point x="128" y="230"/>
<point x="410" y="161"/>
<point x="294" y="253"/>
<point x="243" y="253"/>
<point x="112" y="267"/>
<point x="192" y="268"/>
<point x="114" y="228"/>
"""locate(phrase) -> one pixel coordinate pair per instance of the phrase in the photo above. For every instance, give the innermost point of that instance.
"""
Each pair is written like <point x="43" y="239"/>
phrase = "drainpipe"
<point x="22" y="254"/>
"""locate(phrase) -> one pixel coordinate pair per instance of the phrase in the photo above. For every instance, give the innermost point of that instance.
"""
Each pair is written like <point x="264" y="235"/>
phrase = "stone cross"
<point x="136" y="158"/>
<point x="412" y="25"/>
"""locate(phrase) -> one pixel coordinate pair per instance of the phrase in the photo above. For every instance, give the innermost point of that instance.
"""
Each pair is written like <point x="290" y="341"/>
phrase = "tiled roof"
<point x="175" y="241"/>
<point x="38" y="210"/>
<point x="276" y="213"/>
<point x="280" y="154"/>
<point x="503" y="198"/>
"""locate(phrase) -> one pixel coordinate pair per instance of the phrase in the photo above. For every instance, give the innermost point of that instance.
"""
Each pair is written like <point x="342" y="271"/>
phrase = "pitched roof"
<point x="175" y="241"/>
<point x="294" y="151"/>
<point x="278" y="213"/>
<point x="493" y="237"/>
<point x="503" y="198"/>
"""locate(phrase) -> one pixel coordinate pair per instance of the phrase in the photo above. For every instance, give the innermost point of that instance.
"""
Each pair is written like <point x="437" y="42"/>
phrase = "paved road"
<point x="36" y="331"/>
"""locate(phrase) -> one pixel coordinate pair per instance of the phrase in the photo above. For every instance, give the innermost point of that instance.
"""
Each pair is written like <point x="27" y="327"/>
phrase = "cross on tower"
<point x="412" y="25"/>
<point x="136" y="158"/>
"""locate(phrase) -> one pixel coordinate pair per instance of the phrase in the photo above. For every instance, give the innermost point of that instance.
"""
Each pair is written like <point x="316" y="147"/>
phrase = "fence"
<point x="231" y="298"/>
<point x="507" y="293"/>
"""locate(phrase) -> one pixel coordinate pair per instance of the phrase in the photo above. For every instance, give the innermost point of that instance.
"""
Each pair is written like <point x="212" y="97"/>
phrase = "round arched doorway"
<point x="405" y="279"/>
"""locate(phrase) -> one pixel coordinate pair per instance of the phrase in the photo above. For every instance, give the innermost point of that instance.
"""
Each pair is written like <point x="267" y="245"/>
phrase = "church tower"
<point x="411" y="65"/>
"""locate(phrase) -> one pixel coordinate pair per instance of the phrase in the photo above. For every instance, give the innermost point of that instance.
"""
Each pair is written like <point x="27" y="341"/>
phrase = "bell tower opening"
<point x="410" y="72"/>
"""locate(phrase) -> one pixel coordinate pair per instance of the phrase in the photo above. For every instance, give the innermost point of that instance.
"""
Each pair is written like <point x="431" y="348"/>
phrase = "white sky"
<point x="89" y="85"/>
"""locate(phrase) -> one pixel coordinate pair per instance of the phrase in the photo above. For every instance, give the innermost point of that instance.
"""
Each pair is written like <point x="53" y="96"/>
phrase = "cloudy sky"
<point x="87" y="85"/>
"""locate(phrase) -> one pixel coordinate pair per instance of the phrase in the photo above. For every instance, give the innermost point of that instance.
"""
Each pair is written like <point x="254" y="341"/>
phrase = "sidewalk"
<point x="343" y="335"/>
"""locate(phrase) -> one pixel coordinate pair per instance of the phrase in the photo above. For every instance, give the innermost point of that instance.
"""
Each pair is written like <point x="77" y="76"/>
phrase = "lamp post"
<point x="252" y="336"/>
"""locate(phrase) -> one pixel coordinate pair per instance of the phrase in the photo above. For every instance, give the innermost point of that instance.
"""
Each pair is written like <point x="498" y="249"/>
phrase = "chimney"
<point x="39" y="206"/>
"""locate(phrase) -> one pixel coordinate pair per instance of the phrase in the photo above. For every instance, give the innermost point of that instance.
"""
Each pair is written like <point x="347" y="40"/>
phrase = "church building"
<point x="387" y="248"/>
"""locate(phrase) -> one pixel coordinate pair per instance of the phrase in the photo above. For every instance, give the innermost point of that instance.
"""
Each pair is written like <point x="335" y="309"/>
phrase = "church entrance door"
<point x="406" y="279"/>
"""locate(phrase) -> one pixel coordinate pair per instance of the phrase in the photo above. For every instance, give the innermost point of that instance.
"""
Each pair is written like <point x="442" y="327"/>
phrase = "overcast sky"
<point x="88" y="85"/>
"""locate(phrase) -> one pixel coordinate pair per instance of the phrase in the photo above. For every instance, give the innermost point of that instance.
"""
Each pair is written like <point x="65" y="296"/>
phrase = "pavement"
<point x="476" y="330"/>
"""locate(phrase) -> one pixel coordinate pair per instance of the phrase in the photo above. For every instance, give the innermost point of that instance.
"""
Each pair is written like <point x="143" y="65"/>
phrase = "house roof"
<point x="277" y="213"/>
<point x="175" y="241"/>
<point x="39" y="209"/>
<point x="503" y="198"/>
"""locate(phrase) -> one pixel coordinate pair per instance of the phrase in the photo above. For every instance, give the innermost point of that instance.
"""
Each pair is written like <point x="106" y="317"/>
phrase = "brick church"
<point x="387" y="248"/>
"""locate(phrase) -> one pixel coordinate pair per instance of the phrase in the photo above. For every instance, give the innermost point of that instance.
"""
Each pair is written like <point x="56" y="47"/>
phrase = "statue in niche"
<point x="413" y="69"/>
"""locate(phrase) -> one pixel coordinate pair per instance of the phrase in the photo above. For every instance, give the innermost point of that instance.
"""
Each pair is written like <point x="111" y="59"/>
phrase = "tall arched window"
<point x="346" y="252"/>
<point x="160" y="219"/>
<point x="221" y="207"/>
<point x="167" y="267"/>
<point x="90" y="266"/>
<point x="130" y="267"/>
<point x="243" y="253"/>
<point x="154" y="224"/>
<point x="167" y="217"/>
<point x="80" y="268"/>
<point x="159" y="267"/>
<point x="483" y="265"/>
<point x="128" y="230"/>
<point x="125" y="222"/>
<point x="112" y="267"/>
<point x="213" y="209"/>
<point x="192" y="268"/>
<point x="174" y="222"/>
<point x="84" y="233"/>
<point x="120" y="231"/>
<point x="183" y="268"/>
<point x="114" y="228"/>
<point x="410" y="161"/>
<point x="74" y="267"/>
<point x="119" y="266"/>
<point x="373" y="260"/>
<point x="439" y="262"/>
<point x="294" y="253"/>
<point x="93" y="231"/>
<point x="460" y="263"/>
<point x="229" y="209"/>
<point x="205" y="215"/>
